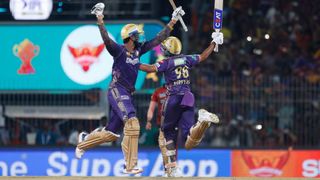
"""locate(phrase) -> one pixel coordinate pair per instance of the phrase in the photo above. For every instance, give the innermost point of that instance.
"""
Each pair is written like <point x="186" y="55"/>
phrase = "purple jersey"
<point x="176" y="72"/>
<point x="126" y="65"/>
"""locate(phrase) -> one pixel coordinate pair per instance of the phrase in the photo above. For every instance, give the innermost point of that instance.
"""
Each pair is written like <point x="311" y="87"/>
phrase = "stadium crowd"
<point x="264" y="83"/>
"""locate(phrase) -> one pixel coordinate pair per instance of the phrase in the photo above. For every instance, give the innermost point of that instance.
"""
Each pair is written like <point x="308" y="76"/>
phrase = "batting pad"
<point x="163" y="149"/>
<point x="130" y="142"/>
<point x="196" y="134"/>
<point x="96" y="138"/>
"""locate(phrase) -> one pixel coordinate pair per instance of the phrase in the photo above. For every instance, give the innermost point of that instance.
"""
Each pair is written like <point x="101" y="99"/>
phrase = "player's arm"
<point x="148" y="68"/>
<point x="113" y="48"/>
<point x="205" y="54"/>
<point x="164" y="34"/>
<point x="152" y="107"/>
<point x="217" y="38"/>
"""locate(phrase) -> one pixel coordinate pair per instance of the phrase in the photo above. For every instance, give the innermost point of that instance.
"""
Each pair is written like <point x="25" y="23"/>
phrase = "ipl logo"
<point x="31" y="9"/>
<point x="26" y="51"/>
<point x="266" y="165"/>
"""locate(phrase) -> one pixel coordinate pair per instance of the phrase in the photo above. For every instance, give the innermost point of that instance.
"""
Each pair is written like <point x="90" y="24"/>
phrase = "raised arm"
<point x="217" y="38"/>
<point x="164" y="34"/>
<point x="205" y="54"/>
<point x="113" y="48"/>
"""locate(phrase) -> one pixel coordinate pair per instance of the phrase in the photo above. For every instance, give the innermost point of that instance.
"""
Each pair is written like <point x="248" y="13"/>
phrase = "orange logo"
<point x="26" y="51"/>
<point x="265" y="165"/>
<point x="86" y="55"/>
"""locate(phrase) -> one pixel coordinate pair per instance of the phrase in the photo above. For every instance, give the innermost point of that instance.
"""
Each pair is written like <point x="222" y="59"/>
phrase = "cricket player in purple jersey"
<point x="178" y="110"/>
<point x="124" y="74"/>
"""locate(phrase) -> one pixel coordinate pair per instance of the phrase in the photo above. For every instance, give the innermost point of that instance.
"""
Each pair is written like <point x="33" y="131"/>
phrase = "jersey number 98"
<point x="182" y="72"/>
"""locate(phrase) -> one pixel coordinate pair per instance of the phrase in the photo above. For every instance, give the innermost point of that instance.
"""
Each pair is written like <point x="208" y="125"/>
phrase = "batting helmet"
<point x="129" y="30"/>
<point x="171" y="45"/>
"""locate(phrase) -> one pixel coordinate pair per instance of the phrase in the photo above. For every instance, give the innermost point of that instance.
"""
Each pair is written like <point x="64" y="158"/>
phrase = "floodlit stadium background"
<point x="263" y="83"/>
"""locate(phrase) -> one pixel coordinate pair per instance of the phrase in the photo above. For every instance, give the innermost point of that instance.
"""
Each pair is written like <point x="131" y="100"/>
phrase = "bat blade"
<point x="217" y="14"/>
<point x="217" y="17"/>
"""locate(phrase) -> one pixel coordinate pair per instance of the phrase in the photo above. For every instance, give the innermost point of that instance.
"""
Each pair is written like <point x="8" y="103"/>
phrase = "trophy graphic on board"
<point x="26" y="51"/>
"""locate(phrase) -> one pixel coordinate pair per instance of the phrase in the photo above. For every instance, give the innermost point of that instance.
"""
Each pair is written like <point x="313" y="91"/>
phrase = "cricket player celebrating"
<point x="178" y="111"/>
<point x="124" y="75"/>
<point x="157" y="100"/>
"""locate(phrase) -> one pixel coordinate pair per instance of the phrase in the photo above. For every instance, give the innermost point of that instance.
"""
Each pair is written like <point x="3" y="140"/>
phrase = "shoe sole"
<point x="75" y="153"/>
<point x="213" y="118"/>
<point x="137" y="172"/>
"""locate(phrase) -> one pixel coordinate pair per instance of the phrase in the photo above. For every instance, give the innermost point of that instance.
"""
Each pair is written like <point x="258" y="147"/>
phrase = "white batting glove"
<point x="217" y="37"/>
<point x="98" y="9"/>
<point x="178" y="12"/>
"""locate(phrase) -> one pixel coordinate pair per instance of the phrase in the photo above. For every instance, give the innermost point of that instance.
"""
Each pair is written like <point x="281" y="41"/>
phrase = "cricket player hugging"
<point x="124" y="74"/>
<point x="178" y="110"/>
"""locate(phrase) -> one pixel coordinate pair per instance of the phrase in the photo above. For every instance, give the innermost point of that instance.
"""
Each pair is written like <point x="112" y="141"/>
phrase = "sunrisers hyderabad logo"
<point x="265" y="164"/>
<point x="86" y="55"/>
<point x="26" y="51"/>
<point x="84" y="58"/>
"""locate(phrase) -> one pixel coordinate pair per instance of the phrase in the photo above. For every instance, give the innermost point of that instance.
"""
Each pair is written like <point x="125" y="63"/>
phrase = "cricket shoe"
<point x="81" y="137"/>
<point x="135" y="170"/>
<point x="174" y="172"/>
<point x="165" y="174"/>
<point x="205" y="116"/>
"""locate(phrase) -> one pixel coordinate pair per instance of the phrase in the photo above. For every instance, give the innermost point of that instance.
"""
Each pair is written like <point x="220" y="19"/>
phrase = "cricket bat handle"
<point x="185" y="28"/>
<point x="216" y="48"/>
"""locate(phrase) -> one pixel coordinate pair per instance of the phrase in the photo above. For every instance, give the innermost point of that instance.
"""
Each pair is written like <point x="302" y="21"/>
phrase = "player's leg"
<point x="163" y="149"/>
<point x="172" y="114"/>
<point x="108" y="134"/>
<point x="197" y="130"/>
<point x="186" y="122"/>
<point x="129" y="144"/>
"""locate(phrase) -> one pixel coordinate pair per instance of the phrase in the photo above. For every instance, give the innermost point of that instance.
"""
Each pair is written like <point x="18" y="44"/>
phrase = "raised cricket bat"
<point x="180" y="18"/>
<point x="217" y="17"/>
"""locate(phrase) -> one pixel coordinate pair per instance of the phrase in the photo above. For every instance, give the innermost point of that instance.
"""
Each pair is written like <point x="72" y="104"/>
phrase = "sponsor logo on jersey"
<point x="26" y="51"/>
<point x="179" y="61"/>
<point x="124" y="97"/>
<point x="132" y="61"/>
<point x="84" y="58"/>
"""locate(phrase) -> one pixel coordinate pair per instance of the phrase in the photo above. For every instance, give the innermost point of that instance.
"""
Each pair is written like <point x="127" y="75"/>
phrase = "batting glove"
<point x="178" y="12"/>
<point x="97" y="9"/>
<point x="217" y="37"/>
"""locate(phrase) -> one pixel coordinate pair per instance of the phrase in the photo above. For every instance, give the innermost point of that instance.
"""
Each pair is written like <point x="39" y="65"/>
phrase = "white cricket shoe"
<point x="135" y="170"/>
<point x="174" y="172"/>
<point x="79" y="152"/>
<point x="206" y="116"/>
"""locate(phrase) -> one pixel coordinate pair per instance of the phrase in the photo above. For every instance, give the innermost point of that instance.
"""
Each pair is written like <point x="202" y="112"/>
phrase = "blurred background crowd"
<point x="264" y="83"/>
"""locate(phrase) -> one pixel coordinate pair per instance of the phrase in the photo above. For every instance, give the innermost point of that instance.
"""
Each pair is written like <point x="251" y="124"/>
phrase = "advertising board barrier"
<point x="62" y="56"/>
<point x="108" y="162"/>
<point x="276" y="163"/>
